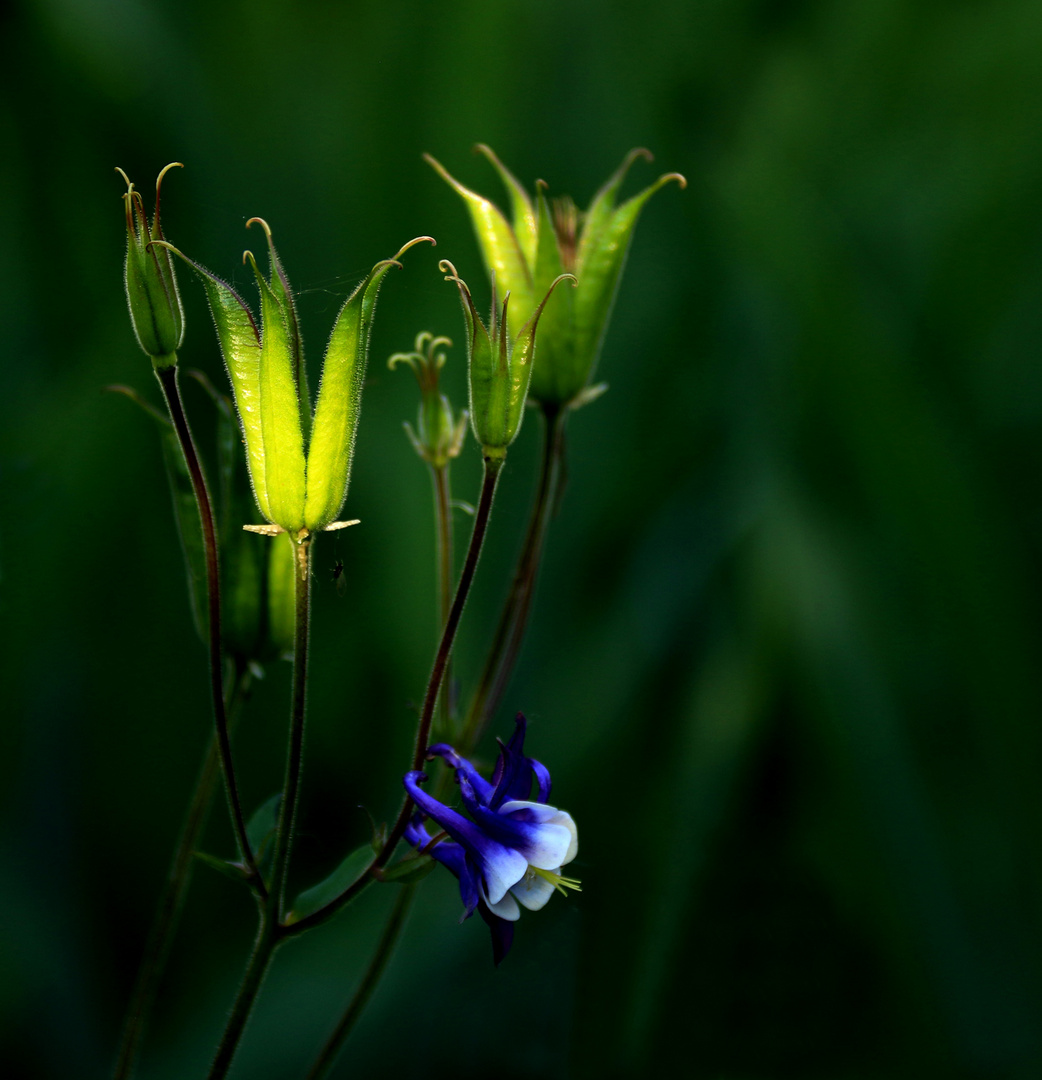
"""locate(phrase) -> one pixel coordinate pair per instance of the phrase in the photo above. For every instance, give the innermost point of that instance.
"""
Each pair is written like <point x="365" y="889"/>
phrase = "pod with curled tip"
<point x="545" y="239"/>
<point x="153" y="298"/>
<point x="340" y="397"/>
<point x="499" y="365"/>
<point x="299" y="467"/>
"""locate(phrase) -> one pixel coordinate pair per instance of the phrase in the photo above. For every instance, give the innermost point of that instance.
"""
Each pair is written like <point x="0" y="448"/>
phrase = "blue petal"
<point x="513" y="774"/>
<point x="499" y="865"/>
<point x="529" y="830"/>
<point x="502" y="934"/>
<point x="481" y="786"/>
<point x="542" y="779"/>
<point x="469" y="892"/>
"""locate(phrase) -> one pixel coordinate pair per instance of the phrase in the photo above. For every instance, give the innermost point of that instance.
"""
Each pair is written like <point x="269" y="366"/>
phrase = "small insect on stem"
<point x="338" y="577"/>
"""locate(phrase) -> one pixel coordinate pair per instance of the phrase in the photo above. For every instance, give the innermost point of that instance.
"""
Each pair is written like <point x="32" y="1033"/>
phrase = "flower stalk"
<point x="270" y="931"/>
<point x="168" y="381"/>
<point x="493" y="466"/>
<point x="510" y="631"/>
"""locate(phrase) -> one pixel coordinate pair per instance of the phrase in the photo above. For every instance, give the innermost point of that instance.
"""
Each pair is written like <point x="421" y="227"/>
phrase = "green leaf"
<point x="260" y="831"/>
<point x="409" y="871"/>
<point x="345" y="875"/>
<point x="222" y="866"/>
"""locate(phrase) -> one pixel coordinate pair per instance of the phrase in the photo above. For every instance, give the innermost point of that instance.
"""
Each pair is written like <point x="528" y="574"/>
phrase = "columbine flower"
<point x="510" y="849"/>
<point x="544" y="240"/>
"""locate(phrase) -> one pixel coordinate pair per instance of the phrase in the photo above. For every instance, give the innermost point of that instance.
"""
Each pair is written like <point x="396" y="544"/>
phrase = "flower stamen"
<point x="561" y="884"/>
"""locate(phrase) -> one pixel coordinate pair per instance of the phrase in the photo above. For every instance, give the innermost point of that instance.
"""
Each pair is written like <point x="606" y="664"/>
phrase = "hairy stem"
<point x="513" y="620"/>
<point x="295" y="749"/>
<point x="264" y="946"/>
<point x="384" y="949"/>
<point x="167" y="377"/>
<point x="171" y="901"/>
<point x="443" y="533"/>
<point x="270" y="932"/>
<point x="423" y="731"/>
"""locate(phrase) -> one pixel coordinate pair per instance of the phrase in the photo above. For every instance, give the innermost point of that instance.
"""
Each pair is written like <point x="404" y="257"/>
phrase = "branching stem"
<point x="270" y="932"/>
<point x="423" y="731"/>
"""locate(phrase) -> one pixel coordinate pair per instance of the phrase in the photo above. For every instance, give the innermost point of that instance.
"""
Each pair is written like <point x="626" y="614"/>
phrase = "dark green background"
<point x="785" y="658"/>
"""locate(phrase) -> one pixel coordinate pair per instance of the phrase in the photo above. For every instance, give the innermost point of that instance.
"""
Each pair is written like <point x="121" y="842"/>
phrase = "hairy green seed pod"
<point x="149" y="279"/>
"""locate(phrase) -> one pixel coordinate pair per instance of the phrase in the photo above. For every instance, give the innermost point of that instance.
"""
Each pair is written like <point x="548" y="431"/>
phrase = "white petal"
<point x="502" y="867"/>
<point x="533" y="891"/>
<point x="565" y="819"/>
<point x="541" y="811"/>
<point x="506" y="908"/>
<point x="556" y="839"/>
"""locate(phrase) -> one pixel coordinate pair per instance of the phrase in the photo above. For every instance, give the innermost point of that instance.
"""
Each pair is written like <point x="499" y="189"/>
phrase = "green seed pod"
<point x="499" y="365"/>
<point x="282" y="569"/>
<point x="299" y="468"/>
<point x="340" y="397"/>
<point x="151" y="284"/>
<point x="544" y="241"/>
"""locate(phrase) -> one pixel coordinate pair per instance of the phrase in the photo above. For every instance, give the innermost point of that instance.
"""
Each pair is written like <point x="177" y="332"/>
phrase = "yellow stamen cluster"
<point x="561" y="884"/>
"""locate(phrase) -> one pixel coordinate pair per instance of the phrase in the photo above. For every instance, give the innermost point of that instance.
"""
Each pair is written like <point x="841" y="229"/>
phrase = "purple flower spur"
<point x="510" y="849"/>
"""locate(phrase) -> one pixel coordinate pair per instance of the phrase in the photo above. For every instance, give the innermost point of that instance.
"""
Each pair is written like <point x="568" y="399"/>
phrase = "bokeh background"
<point x="784" y="662"/>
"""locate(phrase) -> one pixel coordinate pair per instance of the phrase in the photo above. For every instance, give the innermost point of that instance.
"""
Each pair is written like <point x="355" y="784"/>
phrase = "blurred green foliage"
<point x="784" y="662"/>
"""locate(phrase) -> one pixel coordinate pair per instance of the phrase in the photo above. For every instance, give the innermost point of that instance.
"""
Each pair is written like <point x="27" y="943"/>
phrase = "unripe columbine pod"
<point x="299" y="465"/>
<point x="549" y="238"/>
<point x="151" y="284"/>
<point x="499" y="365"/>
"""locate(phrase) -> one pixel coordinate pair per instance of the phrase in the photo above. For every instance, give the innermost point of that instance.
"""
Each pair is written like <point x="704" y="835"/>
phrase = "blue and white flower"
<point x="510" y="849"/>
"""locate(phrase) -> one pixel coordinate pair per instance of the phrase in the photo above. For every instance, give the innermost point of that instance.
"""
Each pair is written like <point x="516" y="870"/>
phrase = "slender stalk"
<point x="443" y="533"/>
<point x="423" y="731"/>
<point x="167" y="377"/>
<point x="171" y="901"/>
<point x="384" y="949"/>
<point x="270" y="932"/>
<point x="510" y="631"/>
<point x="264" y="946"/>
<point x="295" y="750"/>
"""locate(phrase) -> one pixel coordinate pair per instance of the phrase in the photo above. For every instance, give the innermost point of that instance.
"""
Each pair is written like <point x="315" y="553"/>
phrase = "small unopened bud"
<point x="151" y="284"/>
<point x="439" y="434"/>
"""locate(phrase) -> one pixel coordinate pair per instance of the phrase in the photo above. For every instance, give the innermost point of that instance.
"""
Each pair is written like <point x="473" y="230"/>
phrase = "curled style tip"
<point x="412" y="243"/>
<point x="164" y="171"/>
<point x="450" y="272"/>
<point x="262" y="223"/>
<point x="637" y="152"/>
<point x="667" y="178"/>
